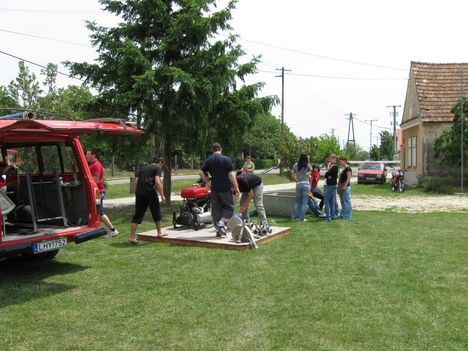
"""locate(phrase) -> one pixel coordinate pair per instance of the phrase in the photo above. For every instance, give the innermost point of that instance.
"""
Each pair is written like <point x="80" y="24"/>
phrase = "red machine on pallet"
<point x="194" y="192"/>
<point x="195" y="209"/>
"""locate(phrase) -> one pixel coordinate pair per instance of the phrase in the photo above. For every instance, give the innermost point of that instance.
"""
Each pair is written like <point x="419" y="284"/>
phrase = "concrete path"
<point x="126" y="201"/>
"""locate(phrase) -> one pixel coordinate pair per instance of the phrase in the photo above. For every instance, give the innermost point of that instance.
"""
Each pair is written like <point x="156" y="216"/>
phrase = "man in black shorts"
<point x="223" y="183"/>
<point x="145" y="185"/>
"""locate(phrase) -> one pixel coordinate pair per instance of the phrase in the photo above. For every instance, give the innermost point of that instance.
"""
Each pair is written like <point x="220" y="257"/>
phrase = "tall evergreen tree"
<point x="167" y="61"/>
<point x="25" y="89"/>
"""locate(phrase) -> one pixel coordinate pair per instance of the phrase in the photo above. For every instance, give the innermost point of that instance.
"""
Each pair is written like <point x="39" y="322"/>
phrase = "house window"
<point x="411" y="157"/>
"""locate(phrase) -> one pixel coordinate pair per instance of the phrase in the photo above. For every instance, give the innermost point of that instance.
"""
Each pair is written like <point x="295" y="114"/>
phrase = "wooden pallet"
<point x="206" y="237"/>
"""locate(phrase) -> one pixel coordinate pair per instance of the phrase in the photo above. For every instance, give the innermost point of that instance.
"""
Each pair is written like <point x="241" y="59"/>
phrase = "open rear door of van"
<point x="90" y="126"/>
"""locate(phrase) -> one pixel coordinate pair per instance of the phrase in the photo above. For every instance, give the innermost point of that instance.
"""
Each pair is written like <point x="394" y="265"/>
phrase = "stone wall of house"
<point x="431" y="166"/>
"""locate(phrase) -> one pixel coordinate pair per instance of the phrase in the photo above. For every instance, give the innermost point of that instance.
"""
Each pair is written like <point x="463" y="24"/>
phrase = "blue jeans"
<point x="330" y="201"/>
<point x="302" y="197"/>
<point x="346" y="207"/>
<point x="314" y="207"/>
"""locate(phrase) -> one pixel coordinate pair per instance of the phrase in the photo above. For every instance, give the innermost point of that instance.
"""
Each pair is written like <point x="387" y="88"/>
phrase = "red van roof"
<point x="106" y="125"/>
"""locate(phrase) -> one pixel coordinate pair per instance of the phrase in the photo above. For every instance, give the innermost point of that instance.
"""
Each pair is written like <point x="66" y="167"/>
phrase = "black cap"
<point x="216" y="147"/>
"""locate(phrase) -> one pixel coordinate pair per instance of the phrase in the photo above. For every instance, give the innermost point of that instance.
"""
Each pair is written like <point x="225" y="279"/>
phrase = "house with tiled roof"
<point x="433" y="90"/>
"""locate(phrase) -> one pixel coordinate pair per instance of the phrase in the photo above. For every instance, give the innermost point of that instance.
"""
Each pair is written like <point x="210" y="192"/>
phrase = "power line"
<point x="375" y="125"/>
<point x="37" y="64"/>
<point x="324" y="57"/>
<point x="44" y="38"/>
<point x="333" y="77"/>
<point x="56" y="12"/>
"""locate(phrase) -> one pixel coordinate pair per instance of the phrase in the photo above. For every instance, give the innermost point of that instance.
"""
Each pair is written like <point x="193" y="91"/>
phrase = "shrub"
<point x="435" y="185"/>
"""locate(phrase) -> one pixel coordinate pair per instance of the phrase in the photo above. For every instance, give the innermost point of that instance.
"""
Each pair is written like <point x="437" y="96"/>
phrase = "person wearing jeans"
<point x="344" y="189"/>
<point x="330" y="188"/>
<point x="300" y="173"/>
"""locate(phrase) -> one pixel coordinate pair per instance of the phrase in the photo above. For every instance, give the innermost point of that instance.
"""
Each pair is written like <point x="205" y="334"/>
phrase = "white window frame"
<point x="411" y="152"/>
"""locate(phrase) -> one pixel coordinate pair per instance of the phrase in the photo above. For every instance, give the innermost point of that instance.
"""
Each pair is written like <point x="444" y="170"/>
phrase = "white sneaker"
<point x="112" y="233"/>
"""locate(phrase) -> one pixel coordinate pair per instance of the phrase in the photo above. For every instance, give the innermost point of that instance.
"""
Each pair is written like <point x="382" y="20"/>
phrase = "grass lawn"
<point x="383" y="281"/>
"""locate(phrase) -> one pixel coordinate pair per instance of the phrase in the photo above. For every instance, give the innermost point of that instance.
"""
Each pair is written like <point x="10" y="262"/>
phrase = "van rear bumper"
<point x="92" y="234"/>
<point x="27" y="247"/>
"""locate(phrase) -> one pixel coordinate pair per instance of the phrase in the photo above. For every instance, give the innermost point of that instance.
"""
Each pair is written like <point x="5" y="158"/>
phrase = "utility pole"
<point x="282" y="116"/>
<point x="462" y="120"/>
<point x="370" y="121"/>
<point x="395" y="114"/>
<point x="350" y="127"/>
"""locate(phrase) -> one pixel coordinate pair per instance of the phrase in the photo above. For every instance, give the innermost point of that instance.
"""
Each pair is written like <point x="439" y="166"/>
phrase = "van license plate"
<point x="45" y="246"/>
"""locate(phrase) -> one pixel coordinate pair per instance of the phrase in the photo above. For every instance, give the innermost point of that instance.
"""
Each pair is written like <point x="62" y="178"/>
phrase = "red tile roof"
<point x="438" y="88"/>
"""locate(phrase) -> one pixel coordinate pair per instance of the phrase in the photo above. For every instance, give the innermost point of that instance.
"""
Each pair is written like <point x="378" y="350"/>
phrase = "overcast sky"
<point x="344" y="56"/>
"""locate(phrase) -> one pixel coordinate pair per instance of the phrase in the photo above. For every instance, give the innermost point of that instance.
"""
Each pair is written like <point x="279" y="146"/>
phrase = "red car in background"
<point x="372" y="172"/>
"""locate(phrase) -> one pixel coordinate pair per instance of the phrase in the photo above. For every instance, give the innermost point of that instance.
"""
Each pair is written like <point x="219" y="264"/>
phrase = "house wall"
<point x="431" y="166"/>
<point x="404" y="161"/>
<point x="426" y="135"/>
<point x="411" y="109"/>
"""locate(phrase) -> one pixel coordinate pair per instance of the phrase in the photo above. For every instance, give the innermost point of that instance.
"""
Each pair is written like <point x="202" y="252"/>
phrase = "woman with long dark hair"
<point x="300" y="173"/>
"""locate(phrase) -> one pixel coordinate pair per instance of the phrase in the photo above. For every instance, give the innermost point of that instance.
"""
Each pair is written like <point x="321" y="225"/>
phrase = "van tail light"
<point x="97" y="196"/>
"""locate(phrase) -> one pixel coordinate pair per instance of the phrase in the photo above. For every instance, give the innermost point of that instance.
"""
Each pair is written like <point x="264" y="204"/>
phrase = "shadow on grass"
<point x="23" y="281"/>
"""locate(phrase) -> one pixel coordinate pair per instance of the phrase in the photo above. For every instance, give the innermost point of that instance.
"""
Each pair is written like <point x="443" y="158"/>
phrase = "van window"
<point x="28" y="160"/>
<point x="51" y="158"/>
<point x="69" y="161"/>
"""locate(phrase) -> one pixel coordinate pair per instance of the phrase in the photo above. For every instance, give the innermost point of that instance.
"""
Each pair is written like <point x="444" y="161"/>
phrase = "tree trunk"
<point x="167" y="168"/>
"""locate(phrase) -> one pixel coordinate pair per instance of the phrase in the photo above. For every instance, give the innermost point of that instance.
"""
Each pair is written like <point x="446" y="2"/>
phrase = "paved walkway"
<point x="126" y="201"/>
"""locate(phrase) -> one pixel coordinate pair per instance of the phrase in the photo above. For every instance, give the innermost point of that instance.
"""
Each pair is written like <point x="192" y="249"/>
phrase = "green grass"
<point x="382" y="281"/>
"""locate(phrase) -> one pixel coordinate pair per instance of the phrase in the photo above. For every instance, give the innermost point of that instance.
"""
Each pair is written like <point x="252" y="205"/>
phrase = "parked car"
<point x="372" y="172"/>
<point x="48" y="198"/>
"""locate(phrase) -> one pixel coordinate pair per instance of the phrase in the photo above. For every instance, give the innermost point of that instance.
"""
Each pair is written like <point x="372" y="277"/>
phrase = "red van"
<point x="48" y="197"/>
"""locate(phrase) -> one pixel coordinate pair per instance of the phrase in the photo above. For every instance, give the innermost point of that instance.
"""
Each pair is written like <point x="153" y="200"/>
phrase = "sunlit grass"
<point x="382" y="281"/>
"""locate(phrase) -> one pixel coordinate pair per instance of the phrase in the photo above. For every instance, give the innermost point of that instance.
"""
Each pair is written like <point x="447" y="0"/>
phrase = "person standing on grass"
<point x="330" y="188"/>
<point x="147" y="185"/>
<point x="222" y="184"/>
<point x="97" y="171"/>
<point x="300" y="173"/>
<point x="344" y="189"/>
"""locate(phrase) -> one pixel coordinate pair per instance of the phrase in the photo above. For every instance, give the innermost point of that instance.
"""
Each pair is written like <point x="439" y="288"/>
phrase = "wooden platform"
<point x="206" y="237"/>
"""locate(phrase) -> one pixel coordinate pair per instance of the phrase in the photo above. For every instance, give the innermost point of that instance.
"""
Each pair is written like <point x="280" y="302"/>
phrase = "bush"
<point x="435" y="185"/>
<point x="263" y="164"/>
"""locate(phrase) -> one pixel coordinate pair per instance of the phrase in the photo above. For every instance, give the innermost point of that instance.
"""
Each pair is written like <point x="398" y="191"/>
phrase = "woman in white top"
<point x="300" y="173"/>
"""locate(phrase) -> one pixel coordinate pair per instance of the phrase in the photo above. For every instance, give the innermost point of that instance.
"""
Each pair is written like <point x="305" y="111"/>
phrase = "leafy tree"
<point x="263" y="140"/>
<point x="386" y="145"/>
<point x="50" y="81"/>
<point x="165" y="62"/>
<point x="25" y="89"/>
<point x="74" y="102"/>
<point x="447" y="146"/>
<point x="356" y="152"/>
<point x="374" y="153"/>
<point x="327" y="144"/>
<point x="7" y="103"/>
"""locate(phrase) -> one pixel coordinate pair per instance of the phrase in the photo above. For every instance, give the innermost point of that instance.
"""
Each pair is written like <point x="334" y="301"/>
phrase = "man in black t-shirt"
<point x="330" y="187"/>
<point x="222" y="183"/>
<point x="145" y="185"/>
<point x="344" y="189"/>
<point x="251" y="187"/>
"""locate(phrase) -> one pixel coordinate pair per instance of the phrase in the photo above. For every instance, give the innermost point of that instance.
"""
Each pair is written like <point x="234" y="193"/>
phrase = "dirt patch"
<point x="411" y="204"/>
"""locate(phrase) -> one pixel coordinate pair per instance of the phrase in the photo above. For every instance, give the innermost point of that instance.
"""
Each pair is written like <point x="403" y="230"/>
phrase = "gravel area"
<point x="411" y="204"/>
